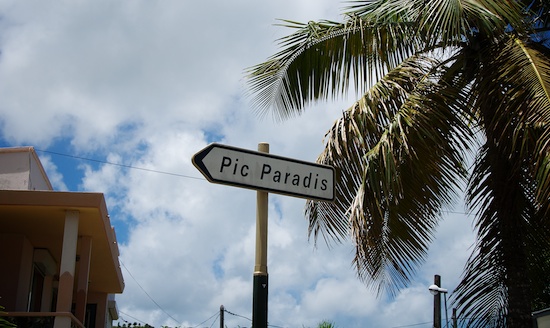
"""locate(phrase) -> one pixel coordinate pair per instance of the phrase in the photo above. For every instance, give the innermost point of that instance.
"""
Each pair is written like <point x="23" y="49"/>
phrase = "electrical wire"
<point x="237" y="315"/>
<point x="126" y="314"/>
<point x="160" y="307"/>
<point x="154" y="171"/>
<point x="121" y="165"/>
<point x="217" y="314"/>
<point x="213" y="322"/>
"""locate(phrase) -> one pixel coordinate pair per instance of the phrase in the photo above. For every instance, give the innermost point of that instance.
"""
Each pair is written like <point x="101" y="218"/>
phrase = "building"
<point x="59" y="265"/>
<point x="541" y="319"/>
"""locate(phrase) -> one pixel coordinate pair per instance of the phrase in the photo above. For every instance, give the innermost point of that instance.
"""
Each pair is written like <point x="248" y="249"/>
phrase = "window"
<point x="37" y="286"/>
<point x="91" y="311"/>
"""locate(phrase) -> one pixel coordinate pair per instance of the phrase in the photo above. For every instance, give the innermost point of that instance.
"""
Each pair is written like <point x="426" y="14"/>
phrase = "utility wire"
<point x="160" y="307"/>
<point x="121" y="165"/>
<point x="126" y="314"/>
<point x="237" y="315"/>
<point x="217" y="314"/>
<point x="214" y="321"/>
<point x="155" y="171"/>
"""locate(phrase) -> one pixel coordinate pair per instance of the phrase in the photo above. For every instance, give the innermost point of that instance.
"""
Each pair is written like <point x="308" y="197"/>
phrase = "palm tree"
<point x="326" y="324"/>
<point x="455" y="100"/>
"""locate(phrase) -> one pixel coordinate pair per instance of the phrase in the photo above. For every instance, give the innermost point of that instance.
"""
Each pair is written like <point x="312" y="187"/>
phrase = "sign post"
<point x="260" y="284"/>
<point x="264" y="173"/>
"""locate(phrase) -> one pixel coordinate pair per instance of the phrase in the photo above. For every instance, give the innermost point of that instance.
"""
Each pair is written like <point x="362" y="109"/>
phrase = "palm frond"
<point x="393" y="199"/>
<point x="482" y="293"/>
<point x="320" y="60"/>
<point x="444" y="22"/>
<point x="510" y="233"/>
<point x="512" y="109"/>
<point x="497" y="14"/>
<point x="515" y="88"/>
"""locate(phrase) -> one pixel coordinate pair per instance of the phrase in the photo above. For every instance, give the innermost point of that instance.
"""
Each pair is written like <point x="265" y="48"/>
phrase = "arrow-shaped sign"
<point x="262" y="171"/>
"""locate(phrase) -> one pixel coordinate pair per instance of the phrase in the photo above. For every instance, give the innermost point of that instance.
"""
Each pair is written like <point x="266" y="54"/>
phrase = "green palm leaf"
<point x="376" y="149"/>
<point x="320" y="60"/>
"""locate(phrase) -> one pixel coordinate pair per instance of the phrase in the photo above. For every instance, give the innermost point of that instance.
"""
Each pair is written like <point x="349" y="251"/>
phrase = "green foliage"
<point x="326" y="324"/>
<point x="3" y="322"/>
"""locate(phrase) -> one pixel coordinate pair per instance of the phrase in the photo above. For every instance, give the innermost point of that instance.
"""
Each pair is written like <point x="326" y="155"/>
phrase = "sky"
<point x="117" y="97"/>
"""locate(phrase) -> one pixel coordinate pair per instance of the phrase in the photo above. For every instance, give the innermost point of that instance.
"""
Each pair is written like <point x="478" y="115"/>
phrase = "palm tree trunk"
<point x="510" y="206"/>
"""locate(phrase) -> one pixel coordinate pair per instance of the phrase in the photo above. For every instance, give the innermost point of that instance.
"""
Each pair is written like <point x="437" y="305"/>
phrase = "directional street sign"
<point x="263" y="171"/>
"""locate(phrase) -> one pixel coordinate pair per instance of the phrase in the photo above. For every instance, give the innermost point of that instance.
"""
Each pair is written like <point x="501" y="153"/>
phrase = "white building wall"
<point x="20" y="169"/>
<point x="543" y="322"/>
<point x="38" y="180"/>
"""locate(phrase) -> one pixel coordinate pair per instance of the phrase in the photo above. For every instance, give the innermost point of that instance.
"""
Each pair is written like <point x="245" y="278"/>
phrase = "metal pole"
<point x="455" y="323"/>
<point x="437" y="303"/>
<point x="260" y="288"/>
<point x="222" y="311"/>
<point x="446" y="314"/>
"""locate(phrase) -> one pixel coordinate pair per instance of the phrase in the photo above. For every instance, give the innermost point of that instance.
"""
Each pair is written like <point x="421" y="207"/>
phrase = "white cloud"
<point x="55" y="177"/>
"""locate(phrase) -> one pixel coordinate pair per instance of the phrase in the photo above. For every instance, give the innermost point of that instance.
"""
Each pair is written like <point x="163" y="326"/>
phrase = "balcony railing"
<point x="39" y="319"/>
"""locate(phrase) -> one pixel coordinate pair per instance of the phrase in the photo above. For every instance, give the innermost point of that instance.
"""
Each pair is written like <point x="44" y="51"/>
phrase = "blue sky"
<point x="117" y="97"/>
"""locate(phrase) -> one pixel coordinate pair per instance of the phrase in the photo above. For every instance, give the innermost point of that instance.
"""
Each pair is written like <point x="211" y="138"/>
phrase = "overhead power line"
<point x="237" y="315"/>
<point x="120" y="165"/>
<point x="217" y="314"/>
<point x="157" y="171"/>
<point x="127" y="315"/>
<point x="160" y="307"/>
